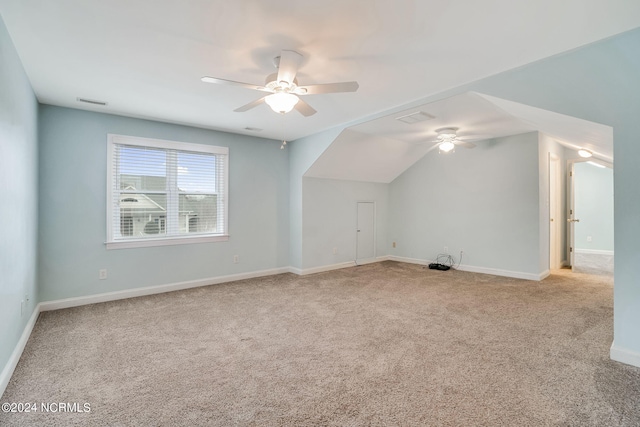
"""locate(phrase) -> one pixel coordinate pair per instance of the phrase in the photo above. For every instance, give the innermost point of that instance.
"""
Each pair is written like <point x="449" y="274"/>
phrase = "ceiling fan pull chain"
<point x="284" y="141"/>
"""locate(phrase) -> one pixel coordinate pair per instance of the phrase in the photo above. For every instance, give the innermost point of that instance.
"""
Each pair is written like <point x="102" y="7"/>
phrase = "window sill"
<point x="167" y="241"/>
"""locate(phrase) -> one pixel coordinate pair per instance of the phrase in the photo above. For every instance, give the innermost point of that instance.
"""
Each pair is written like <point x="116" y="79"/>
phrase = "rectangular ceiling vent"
<point x="253" y="129"/>
<point x="91" y="101"/>
<point x="418" y="116"/>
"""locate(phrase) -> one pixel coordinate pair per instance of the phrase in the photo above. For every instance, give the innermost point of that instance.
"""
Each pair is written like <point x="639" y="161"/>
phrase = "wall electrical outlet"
<point x="102" y="274"/>
<point x="394" y="244"/>
<point x="335" y="251"/>
<point x="589" y="238"/>
<point x="236" y="259"/>
<point x="446" y="249"/>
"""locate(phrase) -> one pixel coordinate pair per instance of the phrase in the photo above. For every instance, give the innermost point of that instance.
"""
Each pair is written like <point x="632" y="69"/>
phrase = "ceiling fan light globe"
<point x="281" y="102"/>
<point x="446" y="146"/>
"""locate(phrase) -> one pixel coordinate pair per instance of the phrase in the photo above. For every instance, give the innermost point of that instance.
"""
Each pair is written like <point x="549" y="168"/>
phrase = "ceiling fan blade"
<point x="250" y="105"/>
<point x="328" y="88"/>
<point x="288" y="66"/>
<point x="215" y="80"/>
<point x="304" y="108"/>
<point x="465" y="144"/>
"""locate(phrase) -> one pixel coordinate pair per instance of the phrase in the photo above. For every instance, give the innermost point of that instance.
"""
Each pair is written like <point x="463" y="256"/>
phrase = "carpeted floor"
<point x="382" y="344"/>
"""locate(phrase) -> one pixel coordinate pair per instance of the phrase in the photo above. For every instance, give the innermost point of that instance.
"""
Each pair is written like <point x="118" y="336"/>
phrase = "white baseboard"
<point x="593" y="252"/>
<point x="11" y="364"/>
<point x="150" y="290"/>
<point x="323" y="268"/>
<point x="483" y="270"/>
<point x="408" y="260"/>
<point x="624" y="355"/>
<point x="504" y="273"/>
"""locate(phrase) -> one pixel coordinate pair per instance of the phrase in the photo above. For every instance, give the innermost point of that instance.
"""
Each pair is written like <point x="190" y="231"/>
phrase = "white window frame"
<point x="121" y="243"/>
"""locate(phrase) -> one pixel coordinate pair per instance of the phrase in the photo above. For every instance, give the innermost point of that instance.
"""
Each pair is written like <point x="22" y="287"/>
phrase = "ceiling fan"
<point x="283" y="87"/>
<point x="447" y="140"/>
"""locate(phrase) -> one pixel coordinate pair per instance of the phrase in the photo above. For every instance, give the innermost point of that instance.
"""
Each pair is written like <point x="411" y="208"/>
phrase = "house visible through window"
<point x="165" y="192"/>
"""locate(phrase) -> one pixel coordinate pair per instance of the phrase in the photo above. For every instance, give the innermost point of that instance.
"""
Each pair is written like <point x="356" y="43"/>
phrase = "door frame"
<point x="571" y="202"/>
<point x="555" y="215"/>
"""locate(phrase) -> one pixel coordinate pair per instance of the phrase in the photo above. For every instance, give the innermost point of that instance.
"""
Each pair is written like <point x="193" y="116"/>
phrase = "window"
<point x="165" y="192"/>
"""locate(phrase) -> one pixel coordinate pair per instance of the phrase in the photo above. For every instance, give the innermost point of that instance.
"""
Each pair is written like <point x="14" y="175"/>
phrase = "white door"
<point x="365" y="232"/>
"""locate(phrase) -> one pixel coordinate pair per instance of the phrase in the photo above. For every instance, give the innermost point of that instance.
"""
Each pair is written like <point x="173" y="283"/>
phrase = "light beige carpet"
<point x="382" y="344"/>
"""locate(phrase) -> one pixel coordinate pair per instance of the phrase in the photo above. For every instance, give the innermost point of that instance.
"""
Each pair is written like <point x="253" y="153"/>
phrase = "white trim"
<point x="624" y="355"/>
<point x="322" y="269"/>
<point x="504" y="273"/>
<point x="172" y="146"/>
<point x="366" y="261"/>
<point x="408" y="260"/>
<point x="483" y="270"/>
<point x="151" y="290"/>
<point x="593" y="252"/>
<point x="165" y="144"/>
<point x="295" y="270"/>
<point x="137" y="243"/>
<point x="330" y="267"/>
<point x="11" y="364"/>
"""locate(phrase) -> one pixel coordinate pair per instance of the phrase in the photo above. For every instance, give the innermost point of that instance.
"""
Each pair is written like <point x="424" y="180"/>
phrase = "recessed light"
<point x="585" y="153"/>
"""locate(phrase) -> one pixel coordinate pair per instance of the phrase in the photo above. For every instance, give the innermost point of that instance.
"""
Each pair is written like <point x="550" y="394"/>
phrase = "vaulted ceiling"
<point x="145" y="58"/>
<point x="379" y="150"/>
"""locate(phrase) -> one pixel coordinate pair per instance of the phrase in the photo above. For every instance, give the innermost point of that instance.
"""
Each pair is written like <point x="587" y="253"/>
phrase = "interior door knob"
<point x="573" y="220"/>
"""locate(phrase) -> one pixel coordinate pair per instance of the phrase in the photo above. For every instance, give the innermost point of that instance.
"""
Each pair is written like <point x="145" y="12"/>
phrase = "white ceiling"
<point x="145" y="57"/>
<point x="381" y="149"/>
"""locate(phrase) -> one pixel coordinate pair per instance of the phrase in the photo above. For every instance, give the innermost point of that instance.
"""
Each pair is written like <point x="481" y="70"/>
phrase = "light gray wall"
<point x="19" y="191"/>
<point x="302" y="154"/>
<point x="73" y="213"/>
<point x="600" y="83"/>
<point x="483" y="201"/>
<point x="329" y="219"/>
<point x="594" y="207"/>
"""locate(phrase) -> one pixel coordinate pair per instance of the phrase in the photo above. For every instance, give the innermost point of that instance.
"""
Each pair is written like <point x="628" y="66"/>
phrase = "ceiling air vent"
<point x="418" y="116"/>
<point x="91" y="101"/>
<point x="253" y="129"/>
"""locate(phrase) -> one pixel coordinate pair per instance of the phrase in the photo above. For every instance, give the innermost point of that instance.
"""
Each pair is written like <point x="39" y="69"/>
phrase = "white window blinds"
<point x="165" y="192"/>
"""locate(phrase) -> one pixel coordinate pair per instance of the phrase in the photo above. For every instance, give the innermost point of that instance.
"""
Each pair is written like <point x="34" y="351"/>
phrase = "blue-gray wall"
<point x="73" y="146"/>
<point x="484" y="201"/>
<point x="19" y="192"/>
<point x="601" y="83"/>
<point x="330" y="219"/>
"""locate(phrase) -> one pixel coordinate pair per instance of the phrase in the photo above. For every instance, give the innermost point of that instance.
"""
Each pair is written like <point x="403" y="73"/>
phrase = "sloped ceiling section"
<point x="145" y="58"/>
<point x="569" y="131"/>
<point x="380" y="150"/>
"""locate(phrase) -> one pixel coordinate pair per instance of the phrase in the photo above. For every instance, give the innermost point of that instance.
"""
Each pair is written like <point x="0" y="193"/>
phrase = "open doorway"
<point x="556" y="255"/>
<point x="590" y="217"/>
